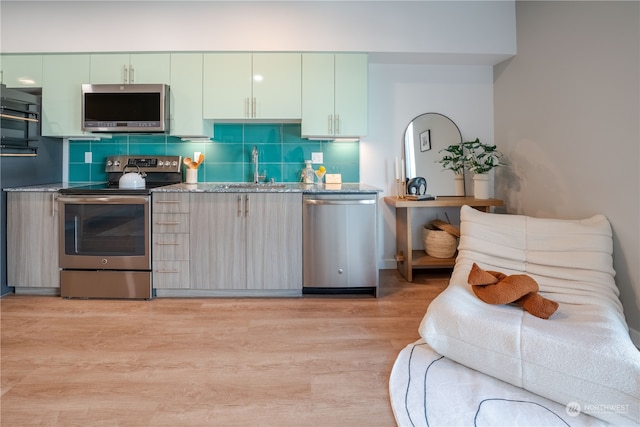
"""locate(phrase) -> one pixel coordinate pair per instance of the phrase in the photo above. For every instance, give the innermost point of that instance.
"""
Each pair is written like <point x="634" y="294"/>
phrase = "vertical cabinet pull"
<point x="239" y="205"/>
<point x="131" y="74"/>
<point x="330" y="123"/>
<point x="124" y="74"/>
<point x="246" y="205"/>
<point x="53" y="204"/>
<point x="253" y="109"/>
<point x="337" y="125"/>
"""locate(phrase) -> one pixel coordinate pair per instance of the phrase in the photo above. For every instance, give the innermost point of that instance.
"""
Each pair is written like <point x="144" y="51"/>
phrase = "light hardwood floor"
<point x="310" y="361"/>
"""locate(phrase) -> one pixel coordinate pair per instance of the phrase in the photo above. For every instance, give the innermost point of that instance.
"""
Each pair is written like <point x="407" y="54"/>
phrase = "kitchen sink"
<point x="251" y="185"/>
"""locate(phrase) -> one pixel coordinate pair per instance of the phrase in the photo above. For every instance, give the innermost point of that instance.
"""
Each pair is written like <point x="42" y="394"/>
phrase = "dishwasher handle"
<point x="340" y="201"/>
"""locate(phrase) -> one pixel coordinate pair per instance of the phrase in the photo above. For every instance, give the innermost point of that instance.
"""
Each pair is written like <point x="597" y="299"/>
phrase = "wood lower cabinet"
<point x="246" y="243"/>
<point x="32" y="242"/>
<point x="170" y="242"/>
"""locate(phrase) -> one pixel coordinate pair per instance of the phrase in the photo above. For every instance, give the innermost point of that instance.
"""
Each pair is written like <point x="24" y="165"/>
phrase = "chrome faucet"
<point x="256" y="171"/>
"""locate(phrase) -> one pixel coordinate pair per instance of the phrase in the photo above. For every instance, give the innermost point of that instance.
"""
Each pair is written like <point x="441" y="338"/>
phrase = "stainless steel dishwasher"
<point x="339" y="243"/>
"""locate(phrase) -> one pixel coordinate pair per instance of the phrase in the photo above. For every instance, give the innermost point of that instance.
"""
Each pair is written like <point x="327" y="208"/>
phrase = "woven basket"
<point x="438" y="243"/>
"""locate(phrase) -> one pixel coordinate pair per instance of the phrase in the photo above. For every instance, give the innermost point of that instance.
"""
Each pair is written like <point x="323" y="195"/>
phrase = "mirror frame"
<point x="422" y="136"/>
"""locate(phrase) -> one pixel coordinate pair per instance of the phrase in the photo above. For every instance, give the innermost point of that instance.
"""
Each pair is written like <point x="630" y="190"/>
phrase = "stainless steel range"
<point x="105" y="230"/>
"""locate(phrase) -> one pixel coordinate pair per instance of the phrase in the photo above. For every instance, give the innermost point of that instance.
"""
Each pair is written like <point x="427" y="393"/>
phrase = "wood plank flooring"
<point x="310" y="361"/>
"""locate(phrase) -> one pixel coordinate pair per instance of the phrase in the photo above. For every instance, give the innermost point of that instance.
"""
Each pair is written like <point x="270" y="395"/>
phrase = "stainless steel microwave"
<point x="125" y="108"/>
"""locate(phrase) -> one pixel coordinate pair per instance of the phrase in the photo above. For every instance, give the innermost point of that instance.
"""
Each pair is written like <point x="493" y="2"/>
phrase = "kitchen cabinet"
<point x="252" y="86"/>
<point x="62" y="79"/>
<point x="186" y="96"/>
<point x="114" y="68"/>
<point x="19" y="71"/>
<point x="170" y="240"/>
<point x="247" y="243"/>
<point x="334" y="95"/>
<point x="32" y="242"/>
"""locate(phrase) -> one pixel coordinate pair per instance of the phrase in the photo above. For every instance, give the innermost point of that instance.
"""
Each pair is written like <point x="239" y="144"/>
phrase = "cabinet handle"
<point x="131" y="74"/>
<point x="124" y="74"/>
<point x="167" y="201"/>
<point x="168" y="223"/>
<point x="53" y="204"/>
<point x="330" y="124"/>
<point x="239" y="205"/>
<point x="246" y="205"/>
<point x="167" y="243"/>
<point x="337" y="125"/>
<point x="167" y="271"/>
<point x="253" y="108"/>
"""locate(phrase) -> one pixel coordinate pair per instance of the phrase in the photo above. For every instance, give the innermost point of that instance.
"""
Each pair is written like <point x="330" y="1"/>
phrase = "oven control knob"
<point x="109" y="163"/>
<point x="104" y="260"/>
<point x="116" y="163"/>
<point x="174" y="163"/>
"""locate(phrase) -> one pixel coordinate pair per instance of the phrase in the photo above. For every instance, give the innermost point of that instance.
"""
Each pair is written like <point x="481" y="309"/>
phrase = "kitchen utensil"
<point x="132" y="180"/>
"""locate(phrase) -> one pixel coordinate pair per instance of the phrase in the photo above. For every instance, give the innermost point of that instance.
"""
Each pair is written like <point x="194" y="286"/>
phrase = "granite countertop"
<point x="225" y="187"/>
<point x="236" y="187"/>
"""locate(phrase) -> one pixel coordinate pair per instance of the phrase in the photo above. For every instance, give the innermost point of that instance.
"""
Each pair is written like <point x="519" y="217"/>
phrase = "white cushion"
<point x="582" y="354"/>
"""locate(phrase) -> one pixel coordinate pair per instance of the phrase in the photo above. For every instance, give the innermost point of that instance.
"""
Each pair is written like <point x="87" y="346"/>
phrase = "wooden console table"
<point x="407" y="258"/>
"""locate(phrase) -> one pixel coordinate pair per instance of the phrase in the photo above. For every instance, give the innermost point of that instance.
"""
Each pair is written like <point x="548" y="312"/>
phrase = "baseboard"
<point x="635" y="337"/>
<point x="387" y="264"/>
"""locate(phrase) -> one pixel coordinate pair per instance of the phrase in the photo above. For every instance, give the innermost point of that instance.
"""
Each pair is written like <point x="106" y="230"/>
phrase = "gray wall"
<point x="567" y="115"/>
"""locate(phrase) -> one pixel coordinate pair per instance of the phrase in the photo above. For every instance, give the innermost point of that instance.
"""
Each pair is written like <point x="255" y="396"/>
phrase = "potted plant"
<point x="481" y="159"/>
<point x="454" y="160"/>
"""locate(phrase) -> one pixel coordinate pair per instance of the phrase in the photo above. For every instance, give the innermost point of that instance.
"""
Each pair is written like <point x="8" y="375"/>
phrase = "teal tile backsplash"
<point x="282" y="153"/>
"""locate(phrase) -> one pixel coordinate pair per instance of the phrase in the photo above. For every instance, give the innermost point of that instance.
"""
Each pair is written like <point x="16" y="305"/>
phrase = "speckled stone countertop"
<point x="46" y="187"/>
<point x="236" y="187"/>
<point x="226" y="187"/>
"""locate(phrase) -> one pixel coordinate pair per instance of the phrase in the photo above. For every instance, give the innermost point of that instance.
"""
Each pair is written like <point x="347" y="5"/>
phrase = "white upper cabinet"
<point x="62" y="79"/>
<point x="252" y="86"/>
<point x="334" y="95"/>
<point x="114" y="68"/>
<point x="186" y="96"/>
<point x="21" y="70"/>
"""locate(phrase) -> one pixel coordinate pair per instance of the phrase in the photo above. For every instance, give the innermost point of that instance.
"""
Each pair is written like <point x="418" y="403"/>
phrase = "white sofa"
<point x="579" y="366"/>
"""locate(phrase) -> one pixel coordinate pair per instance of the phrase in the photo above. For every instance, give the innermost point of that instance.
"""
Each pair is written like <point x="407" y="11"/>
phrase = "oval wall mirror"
<point x="424" y="137"/>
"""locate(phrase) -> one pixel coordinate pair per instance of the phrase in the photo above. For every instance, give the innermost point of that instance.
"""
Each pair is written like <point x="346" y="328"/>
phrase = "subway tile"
<point x="227" y="133"/>
<point x="77" y="150"/>
<point x="79" y="172"/>
<point x="263" y="133"/>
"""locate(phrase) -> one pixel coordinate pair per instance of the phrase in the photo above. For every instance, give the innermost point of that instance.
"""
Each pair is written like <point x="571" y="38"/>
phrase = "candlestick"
<point x="395" y="166"/>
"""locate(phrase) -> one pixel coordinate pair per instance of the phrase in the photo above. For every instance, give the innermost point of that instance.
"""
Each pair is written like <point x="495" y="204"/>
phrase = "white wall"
<point x="399" y="93"/>
<point x="481" y="32"/>
<point x="567" y="111"/>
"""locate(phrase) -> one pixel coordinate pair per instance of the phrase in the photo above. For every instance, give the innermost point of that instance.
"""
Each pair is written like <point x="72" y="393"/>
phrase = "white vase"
<point x="481" y="186"/>
<point x="459" y="181"/>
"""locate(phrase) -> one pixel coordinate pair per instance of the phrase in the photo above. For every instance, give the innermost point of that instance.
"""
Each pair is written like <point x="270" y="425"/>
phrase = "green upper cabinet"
<point x="252" y="86"/>
<point x="62" y="79"/>
<point x="186" y="96"/>
<point x="114" y="68"/>
<point x="21" y="70"/>
<point x="334" y="95"/>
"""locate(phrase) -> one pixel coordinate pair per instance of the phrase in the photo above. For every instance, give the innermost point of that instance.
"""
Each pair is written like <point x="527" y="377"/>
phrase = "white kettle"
<point x="132" y="180"/>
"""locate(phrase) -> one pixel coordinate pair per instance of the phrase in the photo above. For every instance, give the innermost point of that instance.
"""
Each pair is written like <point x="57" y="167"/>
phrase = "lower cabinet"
<point x="32" y="242"/>
<point x="246" y="243"/>
<point x="170" y="241"/>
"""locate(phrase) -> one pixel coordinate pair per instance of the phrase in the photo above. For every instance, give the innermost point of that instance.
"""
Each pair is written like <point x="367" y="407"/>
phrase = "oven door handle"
<point x="117" y="200"/>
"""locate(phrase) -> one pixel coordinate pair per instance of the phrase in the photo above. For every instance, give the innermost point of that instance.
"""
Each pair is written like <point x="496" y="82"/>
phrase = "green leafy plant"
<point x="481" y="158"/>
<point x="454" y="159"/>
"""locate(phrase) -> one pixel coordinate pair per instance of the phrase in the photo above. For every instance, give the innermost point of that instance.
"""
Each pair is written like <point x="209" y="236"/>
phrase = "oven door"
<point x="105" y="232"/>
